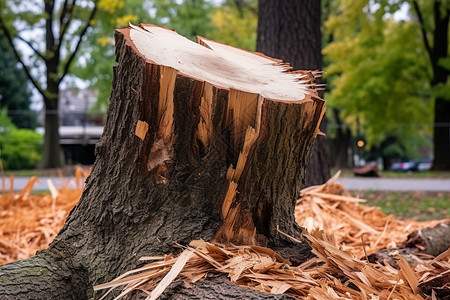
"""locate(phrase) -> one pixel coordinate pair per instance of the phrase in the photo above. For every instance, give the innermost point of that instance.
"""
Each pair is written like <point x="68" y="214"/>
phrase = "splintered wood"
<point x="29" y="222"/>
<point x="335" y="223"/>
<point x="334" y="274"/>
<point x="330" y="208"/>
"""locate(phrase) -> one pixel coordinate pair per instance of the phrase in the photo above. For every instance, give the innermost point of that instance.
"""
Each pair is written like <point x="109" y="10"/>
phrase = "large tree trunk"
<point x="441" y="134"/>
<point x="182" y="158"/>
<point x="290" y="30"/>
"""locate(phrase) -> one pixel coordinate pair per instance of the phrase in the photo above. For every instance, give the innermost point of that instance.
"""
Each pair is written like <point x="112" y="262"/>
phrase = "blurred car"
<point x="412" y="165"/>
<point x="424" y="165"/>
<point x="404" y="166"/>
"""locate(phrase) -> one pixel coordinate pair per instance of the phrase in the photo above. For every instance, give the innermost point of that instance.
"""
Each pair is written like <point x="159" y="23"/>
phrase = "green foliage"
<point x="19" y="148"/>
<point x="188" y="17"/>
<point x="14" y="92"/>
<point x="379" y="75"/>
<point x="236" y="25"/>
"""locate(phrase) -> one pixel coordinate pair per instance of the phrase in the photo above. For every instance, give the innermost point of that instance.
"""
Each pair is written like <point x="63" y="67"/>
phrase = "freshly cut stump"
<point x="234" y="126"/>
<point x="202" y="141"/>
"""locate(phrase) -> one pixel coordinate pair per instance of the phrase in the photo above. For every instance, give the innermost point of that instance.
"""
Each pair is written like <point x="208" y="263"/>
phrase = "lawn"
<point x="418" y="205"/>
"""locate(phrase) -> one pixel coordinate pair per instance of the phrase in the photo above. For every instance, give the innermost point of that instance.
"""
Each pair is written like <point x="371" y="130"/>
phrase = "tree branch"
<point x="64" y="26"/>
<point x="32" y="47"/>
<point x="83" y="32"/>
<point x="35" y="83"/>
<point x="424" y="33"/>
<point x="63" y="12"/>
<point x="49" y="37"/>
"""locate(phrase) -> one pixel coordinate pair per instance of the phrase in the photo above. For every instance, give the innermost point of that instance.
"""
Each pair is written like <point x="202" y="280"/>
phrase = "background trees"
<point x="387" y="74"/>
<point x="14" y="92"/>
<point x="62" y="26"/>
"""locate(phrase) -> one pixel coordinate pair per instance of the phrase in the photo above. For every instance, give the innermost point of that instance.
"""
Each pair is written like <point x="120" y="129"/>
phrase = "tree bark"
<point x="440" y="75"/>
<point x="52" y="155"/>
<point x="339" y="145"/>
<point x="432" y="241"/>
<point x="437" y="52"/>
<point x="290" y="30"/>
<point x="180" y="159"/>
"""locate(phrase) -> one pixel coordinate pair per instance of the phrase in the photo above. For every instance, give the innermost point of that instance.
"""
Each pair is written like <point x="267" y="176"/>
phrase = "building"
<point x="80" y="126"/>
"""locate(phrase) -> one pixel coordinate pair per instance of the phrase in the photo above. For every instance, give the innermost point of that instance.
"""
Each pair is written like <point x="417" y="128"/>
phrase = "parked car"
<point x="424" y="165"/>
<point x="412" y="165"/>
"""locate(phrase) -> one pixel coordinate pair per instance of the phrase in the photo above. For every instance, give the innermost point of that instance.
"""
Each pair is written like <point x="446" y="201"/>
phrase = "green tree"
<point x="235" y="23"/>
<point x="378" y="75"/>
<point x="381" y="77"/>
<point x="19" y="148"/>
<point x="61" y="25"/>
<point x="14" y="92"/>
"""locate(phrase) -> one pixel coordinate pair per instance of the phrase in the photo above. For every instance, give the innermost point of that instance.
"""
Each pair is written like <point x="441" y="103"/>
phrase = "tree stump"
<point x="202" y="140"/>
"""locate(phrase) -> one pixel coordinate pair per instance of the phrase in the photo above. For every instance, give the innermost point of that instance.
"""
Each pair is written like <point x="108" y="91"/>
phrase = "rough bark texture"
<point x="44" y="276"/>
<point x="157" y="180"/>
<point x="216" y="288"/>
<point x="431" y="241"/>
<point x="290" y="30"/>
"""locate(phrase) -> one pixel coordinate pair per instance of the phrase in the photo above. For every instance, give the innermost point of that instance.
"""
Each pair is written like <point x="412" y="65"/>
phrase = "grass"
<point x="392" y="174"/>
<point x="418" y="205"/>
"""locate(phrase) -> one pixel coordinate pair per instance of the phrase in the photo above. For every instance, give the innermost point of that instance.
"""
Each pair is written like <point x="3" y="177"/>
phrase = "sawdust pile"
<point x="29" y="222"/>
<point x="330" y="208"/>
<point x="334" y="274"/>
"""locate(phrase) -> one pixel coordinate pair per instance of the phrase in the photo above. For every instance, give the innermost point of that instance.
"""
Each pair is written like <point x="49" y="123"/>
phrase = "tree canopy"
<point x="380" y="75"/>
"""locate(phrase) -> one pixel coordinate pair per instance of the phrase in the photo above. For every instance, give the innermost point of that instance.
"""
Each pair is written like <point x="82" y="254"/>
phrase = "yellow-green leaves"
<point x="378" y="73"/>
<point x="110" y="6"/>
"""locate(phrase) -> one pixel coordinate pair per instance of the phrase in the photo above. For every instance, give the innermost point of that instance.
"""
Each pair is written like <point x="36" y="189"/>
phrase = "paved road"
<point x="396" y="184"/>
<point x="385" y="184"/>
<point x="41" y="184"/>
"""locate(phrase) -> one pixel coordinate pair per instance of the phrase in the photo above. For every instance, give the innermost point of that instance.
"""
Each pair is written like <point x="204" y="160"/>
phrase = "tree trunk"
<point x="339" y="145"/>
<point x="290" y="30"/>
<point x="52" y="151"/>
<point x="441" y="134"/>
<point x="440" y="75"/>
<point x="218" y="153"/>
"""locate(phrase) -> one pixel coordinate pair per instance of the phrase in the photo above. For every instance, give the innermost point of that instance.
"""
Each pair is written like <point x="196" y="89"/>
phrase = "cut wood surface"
<point x="219" y="64"/>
